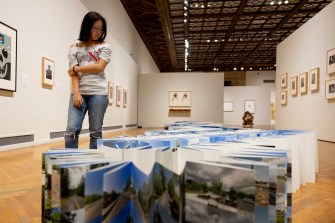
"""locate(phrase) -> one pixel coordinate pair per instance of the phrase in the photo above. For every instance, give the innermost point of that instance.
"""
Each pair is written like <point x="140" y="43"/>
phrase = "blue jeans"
<point x="96" y="106"/>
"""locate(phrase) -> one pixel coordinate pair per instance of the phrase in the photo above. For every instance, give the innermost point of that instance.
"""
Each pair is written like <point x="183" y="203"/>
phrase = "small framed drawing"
<point x="303" y="83"/>
<point x="8" y="46"/>
<point x="283" y="97"/>
<point x="125" y="98"/>
<point x="118" y="96"/>
<point x="331" y="61"/>
<point x="228" y="106"/>
<point x="48" y="71"/>
<point x="180" y="99"/>
<point x="110" y="93"/>
<point x="314" y="79"/>
<point x="330" y="89"/>
<point x="283" y="80"/>
<point x="294" y="88"/>
<point x="249" y="105"/>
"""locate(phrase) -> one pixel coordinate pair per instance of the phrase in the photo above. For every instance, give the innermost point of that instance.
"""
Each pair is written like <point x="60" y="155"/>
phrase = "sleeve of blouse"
<point x="105" y="53"/>
<point x="72" y="57"/>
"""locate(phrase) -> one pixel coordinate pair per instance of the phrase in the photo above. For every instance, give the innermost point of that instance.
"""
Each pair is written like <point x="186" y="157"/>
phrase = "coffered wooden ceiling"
<point x="222" y="35"/>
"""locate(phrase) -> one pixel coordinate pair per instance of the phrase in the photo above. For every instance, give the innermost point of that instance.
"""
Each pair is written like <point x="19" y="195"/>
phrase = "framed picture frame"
<point x="8" y="54"/>
<point x="330" y="89"/>
<point x="180" y="98"/>
<point x="125" y="98"/>
<point x="283" y="80"/>
<point x="249" y="105"/>
<point x="294" y="86"/>
<point x="110" y="93"/>
<point x="303" y="83"/>
<point x="314" y="79"/>
<point x="228" y="106"/>
<point x="283" y="97"/>
<point x="331" y="61"/>
<point x="48" y="71"/>
<point x="118" y="96"/>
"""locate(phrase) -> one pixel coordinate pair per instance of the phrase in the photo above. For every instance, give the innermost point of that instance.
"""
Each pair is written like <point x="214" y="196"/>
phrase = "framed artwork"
<point x="180" y="99"/>
<point x="330" y="89"/>
<point x="283" y="80"/>
<point x="48" y="71"/>
<point x="303" y="83"/>
<point x="8" y="57"/>
<point x="118" y="96"/>
<point x="294" y="86"/>
<point x="314" y="79"/>
<point x="110" y="93"/>
<point x="249" y="105"/>
<point x="125" y="98"/>
<point x="331" y="61"/>
<point x="283" y="97"/>
<point x="228" y="106"/>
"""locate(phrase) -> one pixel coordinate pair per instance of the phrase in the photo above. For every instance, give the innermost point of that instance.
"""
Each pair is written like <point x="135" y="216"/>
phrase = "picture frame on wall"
<point x="303" y="83"/>
<point x="330" y="89"/>
<point x="283" y="80"/>
<point x="331" y="61"/>
<point x="110" y="93"/>
<point x="294" y="86"/>
<point x="125" y="98"/>
<point x="8" y="55"/>
<point x="48" y="71"/>
<point x="228" y="106"/>
<point x="118" y="96"/>
<point x="180" y="98"/>
<point x="283" y="97"/>
<point x="314" y="79"/>
<point x="249" y="105"/>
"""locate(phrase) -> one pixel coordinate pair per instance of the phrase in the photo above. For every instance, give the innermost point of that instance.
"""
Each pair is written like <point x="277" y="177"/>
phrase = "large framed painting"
<point x="314" y="79"/>
<point x="294" y="87"/>
<point x="110" y="93"/>
<point x="228" y="106"/>
<point x="283" y="80"/>
<point x="330" y="89"/>
<point x="125" y="98"/>
<point x="331" y="61"/>
<point x="48" y="71"/>
<point x="303" y="83"/>
<point x="118" y="96"/>
<point x="8" y="57"/>
<point x="180" y="99"/>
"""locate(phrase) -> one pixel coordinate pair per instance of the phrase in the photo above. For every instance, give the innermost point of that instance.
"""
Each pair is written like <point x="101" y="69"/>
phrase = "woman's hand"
<point x="77" y="100"/>
<point x="71" y="72"/>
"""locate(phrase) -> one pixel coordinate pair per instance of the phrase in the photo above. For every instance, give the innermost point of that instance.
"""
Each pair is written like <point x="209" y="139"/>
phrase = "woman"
<point x="87" y="62"/>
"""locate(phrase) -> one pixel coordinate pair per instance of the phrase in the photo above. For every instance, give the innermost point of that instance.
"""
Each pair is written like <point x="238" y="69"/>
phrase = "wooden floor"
<point x="20" y="184"/>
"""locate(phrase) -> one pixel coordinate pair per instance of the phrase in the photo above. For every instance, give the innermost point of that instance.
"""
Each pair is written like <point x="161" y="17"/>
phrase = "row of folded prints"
<point x="199" y="174"/>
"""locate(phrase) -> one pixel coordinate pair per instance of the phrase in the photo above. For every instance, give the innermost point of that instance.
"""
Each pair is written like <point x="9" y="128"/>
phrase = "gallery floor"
<point x="20" y="184"/>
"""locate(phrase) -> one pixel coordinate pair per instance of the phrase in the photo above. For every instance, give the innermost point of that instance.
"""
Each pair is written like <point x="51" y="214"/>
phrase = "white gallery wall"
<point x="302" y="51"/>
<point x="260" y="96"/>
<point x="46" y="29"/>
<point x="207" y="97"/>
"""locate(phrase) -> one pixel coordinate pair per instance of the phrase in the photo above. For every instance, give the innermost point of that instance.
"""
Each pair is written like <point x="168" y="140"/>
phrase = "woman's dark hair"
<point x="87" y="24"/>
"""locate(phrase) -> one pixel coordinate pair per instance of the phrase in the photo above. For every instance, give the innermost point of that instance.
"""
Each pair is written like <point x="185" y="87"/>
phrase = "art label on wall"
<point x="331" y="61"/>
<point x="283" y="80"/>
<point x="294" y="88"/>
<point x="8" y="46"/>
<point x="48" y="71"/>
<point x="180" y="99"/>
<point x="314" y="79"/>
<point x="110" y="93"/>
<point x="330" y="89"/>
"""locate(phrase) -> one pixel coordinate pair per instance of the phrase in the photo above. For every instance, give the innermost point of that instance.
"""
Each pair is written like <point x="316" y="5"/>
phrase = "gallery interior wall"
<point x="302" y="51"/>
<point x="261" y="95"/>
<point x="47" y="29"/>
<point x="207" y="97"/>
